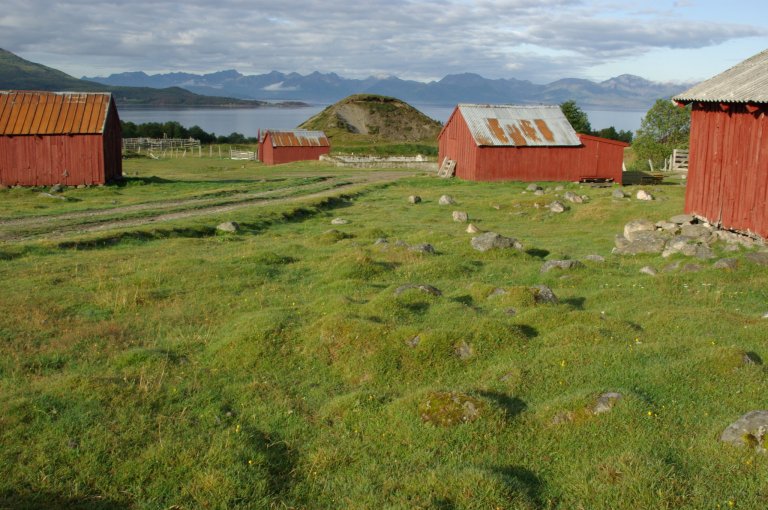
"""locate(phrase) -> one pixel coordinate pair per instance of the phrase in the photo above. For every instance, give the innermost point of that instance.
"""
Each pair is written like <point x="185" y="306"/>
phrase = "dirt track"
<point x="82" y="222"/>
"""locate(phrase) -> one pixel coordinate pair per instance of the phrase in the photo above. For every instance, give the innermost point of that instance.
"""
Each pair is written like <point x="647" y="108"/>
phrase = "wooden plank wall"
<point x="728" y="167"/>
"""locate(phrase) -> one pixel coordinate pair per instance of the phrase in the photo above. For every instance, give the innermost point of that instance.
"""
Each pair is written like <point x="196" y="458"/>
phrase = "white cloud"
<point x="538" y="40"/>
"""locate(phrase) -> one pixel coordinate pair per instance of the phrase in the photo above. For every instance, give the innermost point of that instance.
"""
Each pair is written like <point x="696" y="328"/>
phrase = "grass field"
<point x="168" y="366"/>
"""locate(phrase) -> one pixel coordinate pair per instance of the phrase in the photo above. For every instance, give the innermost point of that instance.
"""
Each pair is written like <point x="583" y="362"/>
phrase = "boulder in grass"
<point x="492" y="240"/>
<point x="426" y="289"/>
<point x="472" y="229"/>
<point x="533" y="187"/>
<point x="644" y="242"/>
<point x="617" y="193"/>
<point x="648" y="270"/>
<point x="729" y="264"/>
<point x="643" y="195"/>
<point x="606" y="402"/>
<point x="759" y="257"/>
<point x="460" y="216"/>
<point x="573" y="197"/>
<point x="414" y="199"/>
<point x="595" y="258"/>
<point x="557" y="207"/>
<point x="339" y="221"/>
<point x="446" y="200"/>
<point x="749" y="430"/>
<point x="682" y="219"/>
<point x="228" y="226"/>
<point x="422" y="248"/>
<point x="640" y="225"/>
<point x="542" y="294"/>
<point x="560" y="264"/>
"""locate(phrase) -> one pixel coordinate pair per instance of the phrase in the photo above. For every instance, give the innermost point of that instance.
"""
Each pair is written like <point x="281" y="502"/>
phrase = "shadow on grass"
<point x="524" y="481"/>
<point x="537" y="252"/>
<point x="576" y="302"/>
<point x="512" y="406"/>
<point x="40" y="500"/>
<point x="280" y="462"/>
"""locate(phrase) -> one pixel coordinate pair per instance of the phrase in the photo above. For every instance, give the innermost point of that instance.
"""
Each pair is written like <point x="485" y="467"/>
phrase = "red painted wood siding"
<point x="596" y="158"/>
<point x="44" y="160"/>
<point x="278" y="155"/>
<point x="728" y="167"/>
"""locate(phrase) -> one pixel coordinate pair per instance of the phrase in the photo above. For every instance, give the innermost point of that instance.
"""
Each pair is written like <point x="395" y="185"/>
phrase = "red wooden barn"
<point x="276" y="147"/>
<point x="525" y="143"/>
<point x="65" y="138"/>
<point x="728" y="159"/>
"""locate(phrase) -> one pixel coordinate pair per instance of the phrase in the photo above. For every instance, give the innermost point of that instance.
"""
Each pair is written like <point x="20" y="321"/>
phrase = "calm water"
<point x="249" y="121"/>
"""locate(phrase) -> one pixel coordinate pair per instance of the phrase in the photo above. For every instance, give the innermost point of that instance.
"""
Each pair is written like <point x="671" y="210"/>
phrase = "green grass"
<point x="278" y="368"/>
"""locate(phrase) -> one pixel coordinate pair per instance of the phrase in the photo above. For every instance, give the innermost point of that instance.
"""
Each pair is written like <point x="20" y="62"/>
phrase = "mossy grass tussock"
<point x="296" y="363"/>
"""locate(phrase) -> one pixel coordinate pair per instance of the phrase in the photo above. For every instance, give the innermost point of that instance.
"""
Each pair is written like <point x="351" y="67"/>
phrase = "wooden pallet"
<point x="447" y="168"/>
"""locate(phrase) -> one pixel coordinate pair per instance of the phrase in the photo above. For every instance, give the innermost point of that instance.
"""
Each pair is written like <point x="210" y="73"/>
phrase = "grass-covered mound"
<point x="292" y="366"/>
<point x="364" y="119"/>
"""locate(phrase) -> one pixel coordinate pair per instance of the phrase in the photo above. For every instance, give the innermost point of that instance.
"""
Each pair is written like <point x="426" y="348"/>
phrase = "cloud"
<point x="532" y="39"/>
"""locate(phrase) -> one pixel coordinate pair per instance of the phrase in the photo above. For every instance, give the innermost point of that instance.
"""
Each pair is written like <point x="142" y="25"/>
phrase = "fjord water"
<point x="248" y="121"/>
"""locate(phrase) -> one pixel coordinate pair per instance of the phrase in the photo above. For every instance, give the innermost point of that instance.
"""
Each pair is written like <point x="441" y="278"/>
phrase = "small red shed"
<point x="65" y="138"/>
<point x="728" y="155"/>
<point x="276" y="147"/>
<point x="525" y="143"/>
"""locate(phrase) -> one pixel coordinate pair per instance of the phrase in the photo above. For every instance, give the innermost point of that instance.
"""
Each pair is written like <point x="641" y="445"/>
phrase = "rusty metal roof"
<point x="518" y="125"/>
<point x="743" y="83"/>
<point x="52" y="113"/>
<point x="298" y="138"/>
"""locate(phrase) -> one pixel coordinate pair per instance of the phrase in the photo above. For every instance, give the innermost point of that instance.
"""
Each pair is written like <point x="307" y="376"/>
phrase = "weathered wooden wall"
<point x="728" y="167"/>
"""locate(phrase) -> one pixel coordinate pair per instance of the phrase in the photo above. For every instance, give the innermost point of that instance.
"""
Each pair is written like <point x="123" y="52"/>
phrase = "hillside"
<point x="18" y="73"/>
<point x="383" y="118"/>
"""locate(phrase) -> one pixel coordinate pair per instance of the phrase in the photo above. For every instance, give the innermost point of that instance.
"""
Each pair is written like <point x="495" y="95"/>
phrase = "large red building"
<point x="276" y="147"/>
<point x="65" y="138"/>
<point x="525" y="143"/>
<point x="728" y="161"/>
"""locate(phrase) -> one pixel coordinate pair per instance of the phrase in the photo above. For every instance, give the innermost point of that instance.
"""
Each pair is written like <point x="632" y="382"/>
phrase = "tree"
<point x="576" y="116"/>
<point x="664" y="127"/>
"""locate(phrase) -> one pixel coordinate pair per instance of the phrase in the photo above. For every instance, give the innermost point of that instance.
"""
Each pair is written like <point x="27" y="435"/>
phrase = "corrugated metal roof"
<point x="742" y="83"/>
<point x="298" y="138"/>
<point x="518" y="125"/>
<point x="52" y="113"/>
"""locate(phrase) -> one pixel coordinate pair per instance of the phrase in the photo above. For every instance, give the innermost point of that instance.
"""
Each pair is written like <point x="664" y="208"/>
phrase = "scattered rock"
<point x="749" y="430"/>
<point x="729" y="264"/>
<point x="644" y="242"/>
<point x="460" y="216"/>
<point x="496" y="206"/>
<point x="643" y="195"/>
<point x="533" y="187"/>
<point x="414" y="199"/>
<point x="595" y="258"/>
<point x="692" y="268"/>
<point x="543" y="294"/>
<point x="760" y="258"/>
<point x="381" y="240"/>
<point x="539" y="192"/>
<point x="556" y="207"/>
<point x="497" y="292"/>
<point x="511" y="312"/>
<point x="422" y="248"/>
<point x="667" y="225"/>
<point x="463" y="350"/>
<point x="48" y="195"/>
<point x="682" y="219"/>
<point x="427" y="289"/>
<point x="56" y="188"/>
<point x="492" y="240"/>
<point x="617" y="193"/>
<point x="606" y="402"/>
<point x="228" y="226"/>
<point x="413" y="342"/>
<point x="446" y="200"/>
<point x="339" y="221"/>
<point x="632" y="228"/>
<point x="472" y="229"/>
<point x="703" y="252"/>
<point x="81" y="186"/>
<point x="671" y="268"/>
<point x="563" y="417"/>
<point x="560" y="264"/>
<point x="694" y="230"/>
<point x="648" y="270"/>
<point x="559" y="188"/>
<point x="573" y="197"/>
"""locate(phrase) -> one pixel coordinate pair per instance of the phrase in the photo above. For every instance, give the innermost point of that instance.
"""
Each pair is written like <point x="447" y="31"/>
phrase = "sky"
<point x="678" y="41"/>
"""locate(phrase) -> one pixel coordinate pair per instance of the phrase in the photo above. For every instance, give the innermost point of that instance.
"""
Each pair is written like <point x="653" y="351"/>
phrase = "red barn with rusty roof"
<point x="65" y="138"/>
<point x="525" y="143"/>
<point x="276" y="147"/>
<point x="728" y="158"/>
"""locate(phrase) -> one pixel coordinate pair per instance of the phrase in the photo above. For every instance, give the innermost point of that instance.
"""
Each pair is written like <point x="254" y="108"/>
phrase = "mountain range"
<point x="625" y="92"/>
<point x="17" y="73"/>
